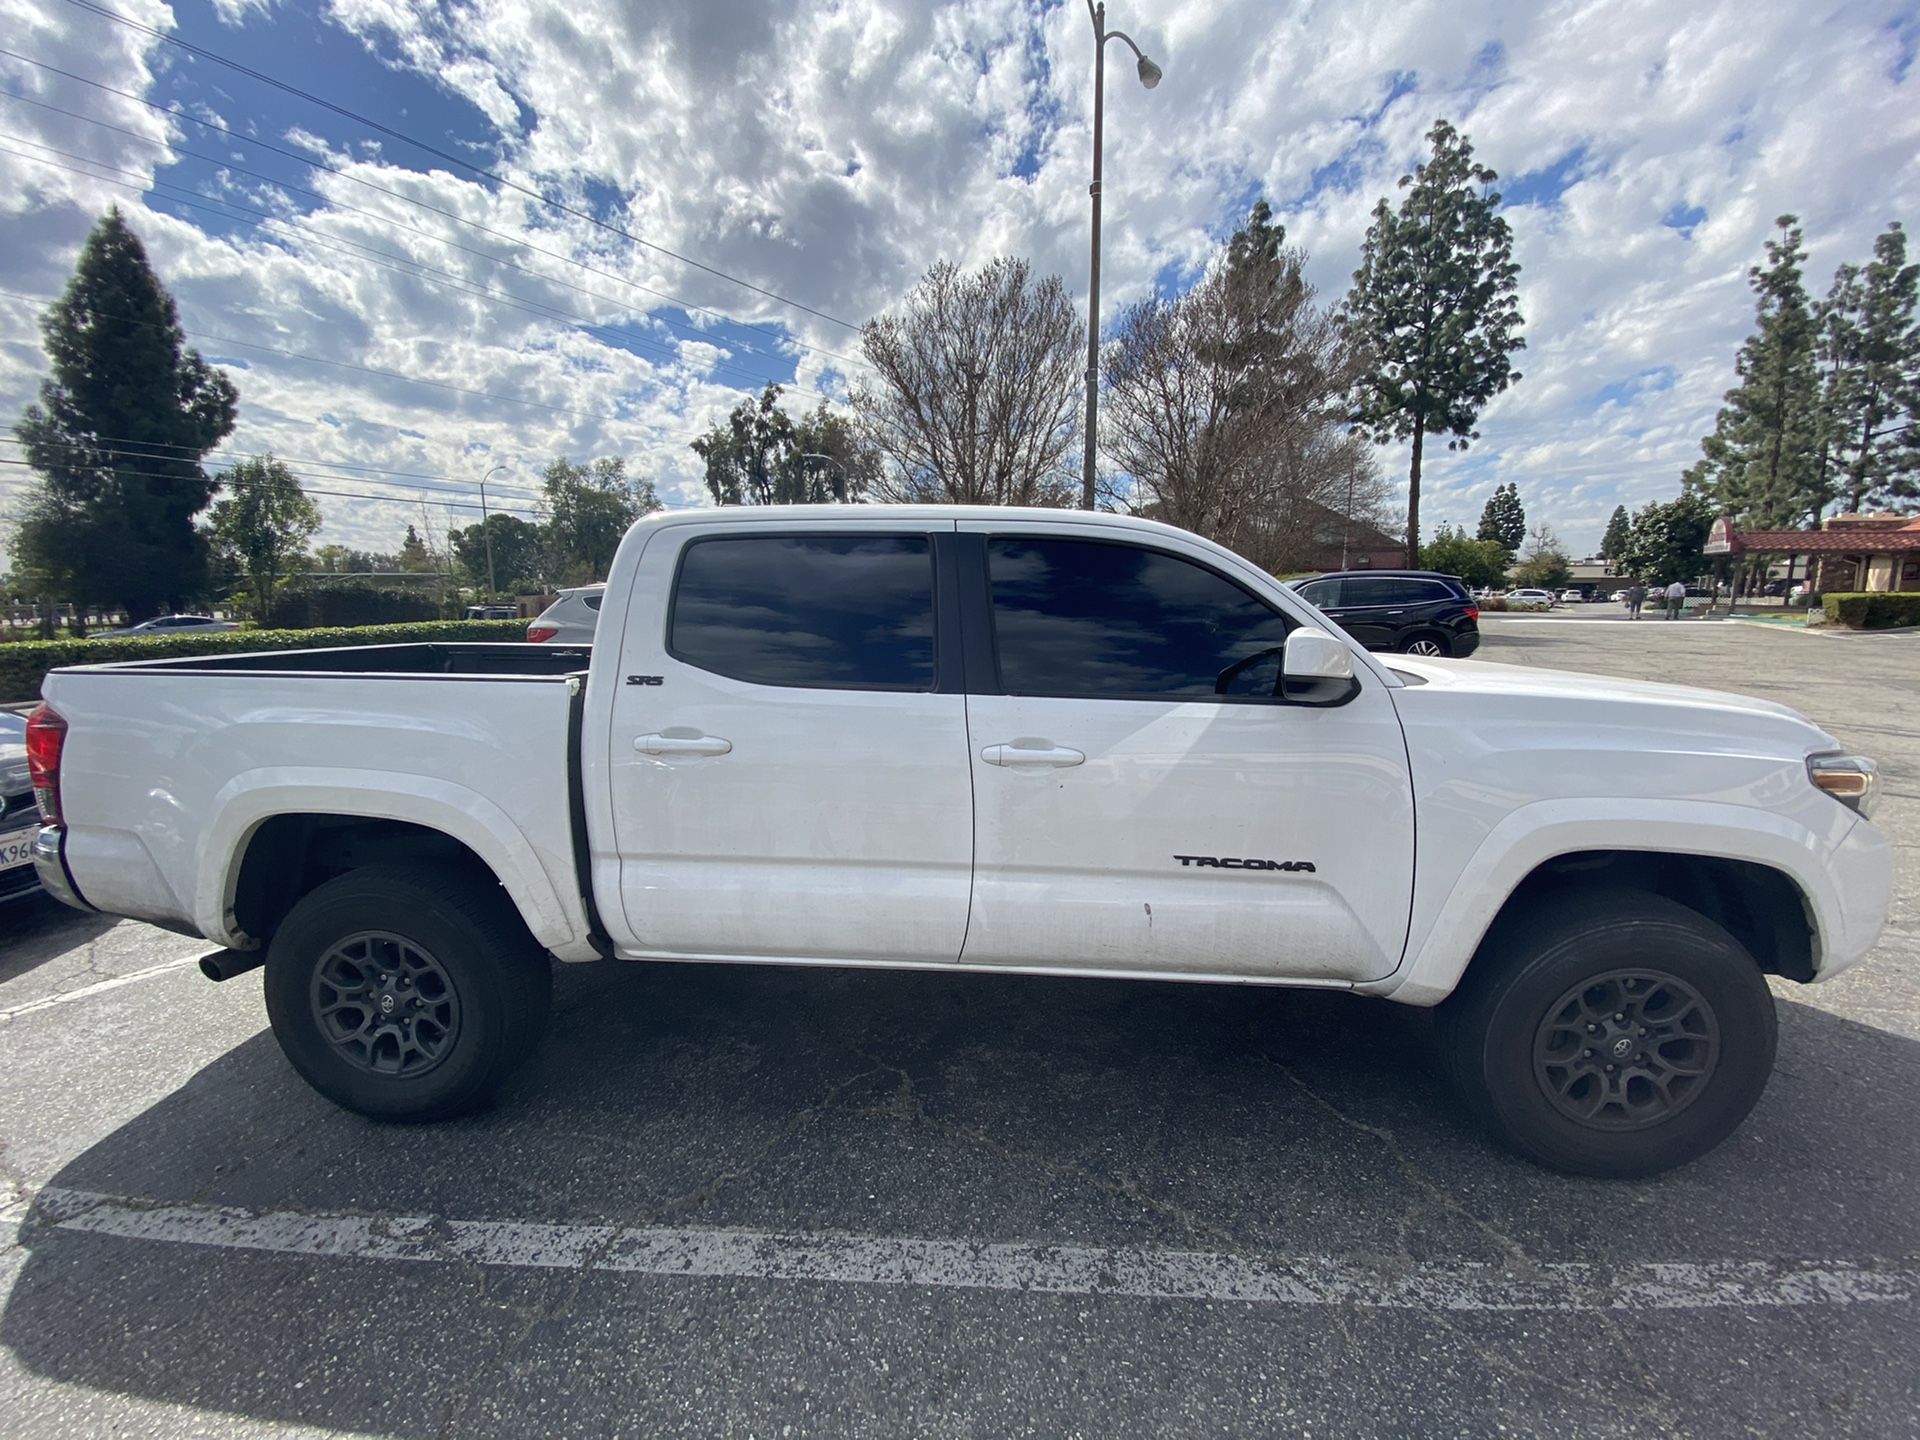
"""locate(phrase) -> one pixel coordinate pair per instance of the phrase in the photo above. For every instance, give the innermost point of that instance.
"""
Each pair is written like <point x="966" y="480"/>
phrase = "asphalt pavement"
<point x="758" y="1202"/>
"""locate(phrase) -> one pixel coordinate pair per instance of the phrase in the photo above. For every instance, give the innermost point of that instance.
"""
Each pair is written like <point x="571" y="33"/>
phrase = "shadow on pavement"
<point x="1206" y="1117"/>
<point x="37" y="928"/>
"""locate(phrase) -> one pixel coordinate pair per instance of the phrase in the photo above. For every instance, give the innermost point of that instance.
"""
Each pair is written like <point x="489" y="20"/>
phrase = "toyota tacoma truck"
<point x="944" y="738"/>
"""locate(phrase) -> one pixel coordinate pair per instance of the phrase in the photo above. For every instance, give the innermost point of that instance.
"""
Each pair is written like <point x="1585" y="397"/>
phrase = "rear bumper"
<point x="1465" y="642"/>
<point x="50" y="864"/>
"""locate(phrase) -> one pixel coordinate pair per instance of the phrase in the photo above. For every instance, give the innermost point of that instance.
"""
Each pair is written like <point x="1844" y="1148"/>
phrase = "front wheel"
<point x="406" y="993"/>
<point x="1617" y="1037"/>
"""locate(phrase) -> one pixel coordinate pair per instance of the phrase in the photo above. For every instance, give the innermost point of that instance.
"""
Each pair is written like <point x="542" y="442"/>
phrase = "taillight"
<point x="46" y="737"/>
<point x="1473" y="612"/>
<point x="540" y="634"/>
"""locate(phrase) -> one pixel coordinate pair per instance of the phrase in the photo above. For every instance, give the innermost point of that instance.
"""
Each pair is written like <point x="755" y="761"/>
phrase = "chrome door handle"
<point x="1057" y="756"/>
<point x="681" y="745"/>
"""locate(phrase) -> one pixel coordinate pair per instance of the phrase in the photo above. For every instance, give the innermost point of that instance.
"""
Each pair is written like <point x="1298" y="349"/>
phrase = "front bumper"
<point x="51" y="866"/>
<point x="1861" y="868"/>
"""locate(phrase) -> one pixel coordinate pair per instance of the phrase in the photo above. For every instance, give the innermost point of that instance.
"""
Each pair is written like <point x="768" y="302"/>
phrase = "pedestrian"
<point x="1636" y="597"/>
<point x="1676" y="600"/>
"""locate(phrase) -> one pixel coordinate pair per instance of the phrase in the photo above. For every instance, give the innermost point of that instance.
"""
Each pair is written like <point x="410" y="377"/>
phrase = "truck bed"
<point x="171" y="765"/>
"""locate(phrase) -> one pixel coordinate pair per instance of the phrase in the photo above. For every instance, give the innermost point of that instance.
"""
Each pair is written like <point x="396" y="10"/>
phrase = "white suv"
<point x="570" y="619"/>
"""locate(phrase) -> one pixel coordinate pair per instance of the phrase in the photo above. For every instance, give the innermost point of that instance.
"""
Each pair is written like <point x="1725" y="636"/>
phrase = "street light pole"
<point x="1149" y="77"/>
<point x="846" y="479"/>
<point x="486" y="531"/>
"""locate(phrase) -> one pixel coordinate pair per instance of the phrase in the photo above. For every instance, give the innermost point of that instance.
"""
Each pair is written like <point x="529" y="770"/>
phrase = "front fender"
<point x="253" y="797"/>
<point x="1836" y="862"/>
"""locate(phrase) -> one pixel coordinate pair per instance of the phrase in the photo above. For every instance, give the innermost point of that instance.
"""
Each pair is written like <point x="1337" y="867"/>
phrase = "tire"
<point x="1546" y="981"/>
<point x="1427" y="642"/>
<point x="462" y="974"/>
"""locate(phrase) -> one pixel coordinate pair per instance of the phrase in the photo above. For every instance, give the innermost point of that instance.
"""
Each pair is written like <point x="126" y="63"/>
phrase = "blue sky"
<point x="830" y="153"/>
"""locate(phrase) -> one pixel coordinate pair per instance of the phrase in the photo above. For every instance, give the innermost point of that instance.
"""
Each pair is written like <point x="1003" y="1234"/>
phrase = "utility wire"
<point x="335" y="204"/>
<point x="86" y="449"/>
<point x="450" y="158"/>
<point x="384" y="259"/>
<point x="176" y="113"/>
<point x="406" y="500"/>
<point x="337" y="364"/>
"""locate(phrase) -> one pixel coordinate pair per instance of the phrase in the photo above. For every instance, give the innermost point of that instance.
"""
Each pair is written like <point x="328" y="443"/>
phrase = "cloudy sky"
<point x="399" y="324"/>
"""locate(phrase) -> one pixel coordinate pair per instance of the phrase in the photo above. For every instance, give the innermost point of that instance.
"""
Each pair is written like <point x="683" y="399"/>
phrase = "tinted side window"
<point x="1079" y="617"/>
<point x="1429" y="592"/>
<point x="1370" y="590"/>
<point x="829" y="611"/>
<point x="592" y="602"/>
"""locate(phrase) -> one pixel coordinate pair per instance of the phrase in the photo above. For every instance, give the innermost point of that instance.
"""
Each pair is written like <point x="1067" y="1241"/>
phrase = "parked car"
<point x="824" y="736"/>
<point x="1419" y="612"/>
<point x="173" y="625"/>
<point x="570" y="619"/>
<point x="19" y="817"/>
<point x="1620" y="597"/>
<point x="1530" y="596"/>
<point x="492" y="612"/>
<point x="1573" y="597"/>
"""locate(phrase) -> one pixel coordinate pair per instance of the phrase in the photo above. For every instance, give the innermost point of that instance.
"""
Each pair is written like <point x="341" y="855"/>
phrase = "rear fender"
<point x="255" y="796"/>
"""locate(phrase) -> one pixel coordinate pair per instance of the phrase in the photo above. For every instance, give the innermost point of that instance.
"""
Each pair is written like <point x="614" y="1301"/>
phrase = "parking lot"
<point x="763" y="1202"/>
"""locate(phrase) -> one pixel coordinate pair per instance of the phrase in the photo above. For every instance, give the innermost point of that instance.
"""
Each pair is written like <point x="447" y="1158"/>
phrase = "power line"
<point x="148" y="454"/>
<point x="336" y="204"/>
<point x="337" y="364"/>
<point x="384" y="259"/>
<point x="176" y="113"/>
<point x="404" y="500"/>
<point x="450" y="158"/>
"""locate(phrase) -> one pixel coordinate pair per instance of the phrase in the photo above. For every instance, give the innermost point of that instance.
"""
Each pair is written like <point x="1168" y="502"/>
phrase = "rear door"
<point x="1373" y="608"/>
<point x="1129" y="815"/>
<point x="789" y="749"/>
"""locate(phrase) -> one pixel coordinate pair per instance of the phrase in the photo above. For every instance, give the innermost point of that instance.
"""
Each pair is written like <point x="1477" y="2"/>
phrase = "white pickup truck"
<point x="979" y="739"/>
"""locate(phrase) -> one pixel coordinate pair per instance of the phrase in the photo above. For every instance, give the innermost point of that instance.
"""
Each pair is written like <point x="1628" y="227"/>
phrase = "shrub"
<point x="25" y="663"/>
<point x="1873" y="612"/>
<point x="347" y="602"/>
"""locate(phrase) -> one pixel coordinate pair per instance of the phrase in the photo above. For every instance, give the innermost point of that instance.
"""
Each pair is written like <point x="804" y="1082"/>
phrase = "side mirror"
<point x="1317" y="668"/>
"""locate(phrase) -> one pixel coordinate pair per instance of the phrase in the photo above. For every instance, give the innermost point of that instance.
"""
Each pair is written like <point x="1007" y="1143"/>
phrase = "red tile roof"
<point x="1831" y="542"/>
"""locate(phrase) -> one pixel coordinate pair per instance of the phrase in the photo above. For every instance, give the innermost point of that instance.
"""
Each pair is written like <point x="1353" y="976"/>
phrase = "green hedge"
<point x="347" y="602"/>
<point x="1873" y="612"/>
<point x="25" y="663"/>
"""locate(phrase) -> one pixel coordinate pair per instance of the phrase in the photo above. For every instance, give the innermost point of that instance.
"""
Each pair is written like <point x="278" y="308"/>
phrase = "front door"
<point x="788" y="750"/>
<point x="1129" y="816"/>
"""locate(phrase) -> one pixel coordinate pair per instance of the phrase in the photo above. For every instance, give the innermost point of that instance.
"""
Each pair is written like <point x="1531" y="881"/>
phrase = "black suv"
<point x="1416" y="611"/>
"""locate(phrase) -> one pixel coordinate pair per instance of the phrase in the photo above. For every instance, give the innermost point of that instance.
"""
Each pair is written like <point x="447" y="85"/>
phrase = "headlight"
<point x="1850" y="779"/>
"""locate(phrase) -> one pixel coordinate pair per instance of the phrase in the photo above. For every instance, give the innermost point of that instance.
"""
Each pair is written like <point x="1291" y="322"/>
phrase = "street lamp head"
<point x="1149" y="72"/>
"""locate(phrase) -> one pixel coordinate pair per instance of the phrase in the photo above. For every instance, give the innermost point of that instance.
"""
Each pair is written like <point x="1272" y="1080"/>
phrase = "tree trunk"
<point x="1413" y="496"/>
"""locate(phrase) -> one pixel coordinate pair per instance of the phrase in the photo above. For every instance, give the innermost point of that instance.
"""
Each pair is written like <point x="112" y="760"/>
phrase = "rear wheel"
<point x="407" y="993"/>
<point x="1427" y="642"/>
<point x="1617" y="1037"/>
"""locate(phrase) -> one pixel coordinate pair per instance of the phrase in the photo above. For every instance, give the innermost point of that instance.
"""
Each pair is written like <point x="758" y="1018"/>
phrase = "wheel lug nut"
<point x="1620" y="1015"/>
<point x="1593" y="1029"/>
<point x="1586" y="1054"/>
<point x="1609" y="1069"/>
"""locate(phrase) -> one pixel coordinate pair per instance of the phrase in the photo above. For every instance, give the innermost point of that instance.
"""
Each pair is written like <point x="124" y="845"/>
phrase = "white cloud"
<point x="830" y="154"/>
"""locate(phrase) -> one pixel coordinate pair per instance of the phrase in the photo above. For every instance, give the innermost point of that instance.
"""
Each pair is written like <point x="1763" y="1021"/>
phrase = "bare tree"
<point x="977" y="399"/>
<point x="1225" y="405"/>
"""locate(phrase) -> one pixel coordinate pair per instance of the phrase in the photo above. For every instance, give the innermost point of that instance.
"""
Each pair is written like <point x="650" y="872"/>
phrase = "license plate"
<point x="16" y="850"/>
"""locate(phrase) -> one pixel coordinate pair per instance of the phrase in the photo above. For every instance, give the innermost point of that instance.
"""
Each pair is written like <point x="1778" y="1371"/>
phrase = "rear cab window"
<point x="842" y="612"/>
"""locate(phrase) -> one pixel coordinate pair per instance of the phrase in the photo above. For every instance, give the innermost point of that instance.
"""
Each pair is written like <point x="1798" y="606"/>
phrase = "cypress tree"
<point x="117" y="438"/>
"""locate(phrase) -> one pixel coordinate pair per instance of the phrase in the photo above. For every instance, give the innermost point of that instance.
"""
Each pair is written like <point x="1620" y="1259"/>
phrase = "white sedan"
<point x="1530" y="597"/>
<point x="173" y="625"/>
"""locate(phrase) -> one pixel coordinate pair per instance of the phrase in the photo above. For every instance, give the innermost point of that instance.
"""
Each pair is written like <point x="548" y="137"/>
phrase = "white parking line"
<point x="969" y="1265"/>
<point x="99" y="987"/>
